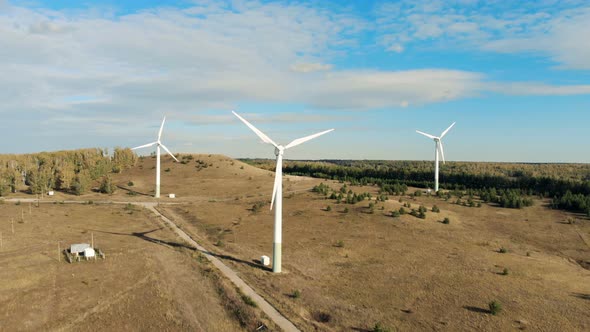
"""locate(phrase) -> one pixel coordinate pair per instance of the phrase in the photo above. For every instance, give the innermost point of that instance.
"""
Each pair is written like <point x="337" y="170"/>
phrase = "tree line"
<point x="72" y="171"/>
<point x="506" y="184"/>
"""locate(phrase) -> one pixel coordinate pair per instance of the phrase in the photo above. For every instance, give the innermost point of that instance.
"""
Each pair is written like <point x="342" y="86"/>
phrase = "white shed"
<point x="89" y="252"/>
<point x="79" y="248"/>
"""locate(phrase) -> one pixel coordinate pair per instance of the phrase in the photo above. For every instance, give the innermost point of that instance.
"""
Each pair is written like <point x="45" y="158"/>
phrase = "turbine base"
<point x="276" y="257"/>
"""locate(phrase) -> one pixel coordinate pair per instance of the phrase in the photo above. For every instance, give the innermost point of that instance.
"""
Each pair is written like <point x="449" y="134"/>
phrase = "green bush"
<point x="435" y="209"/>
<point x="505" y="272"/>
<point x="328" y="208"/>
<point x="107" y="186"/>
<point x="296" y="294"/>
<point x="495" y="307"/>
<point x="248" y="300"/>
<point x="395" y="214"/>
<point x="446" y="221"/>
<point x="503" y="250"/>
<point x="380" y="328"/>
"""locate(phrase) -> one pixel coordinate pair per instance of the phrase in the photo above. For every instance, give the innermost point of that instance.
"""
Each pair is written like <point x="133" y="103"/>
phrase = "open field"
<point x="148" y="281"/>
<point x="351" y="269"/>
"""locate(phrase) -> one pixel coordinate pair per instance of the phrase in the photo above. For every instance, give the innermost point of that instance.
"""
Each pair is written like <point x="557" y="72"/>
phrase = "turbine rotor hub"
<point x="279" y="150"/>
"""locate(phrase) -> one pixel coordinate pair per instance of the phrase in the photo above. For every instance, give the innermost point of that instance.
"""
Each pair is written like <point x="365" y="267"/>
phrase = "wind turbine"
<point x="438" y="147"/>
<point x="277" y="190"/>
<point x="158" y="144"/>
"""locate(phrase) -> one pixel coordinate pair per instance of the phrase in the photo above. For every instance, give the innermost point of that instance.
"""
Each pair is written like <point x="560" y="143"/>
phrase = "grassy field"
<point x="148" y="281"/>
<point x="345" y="269"/>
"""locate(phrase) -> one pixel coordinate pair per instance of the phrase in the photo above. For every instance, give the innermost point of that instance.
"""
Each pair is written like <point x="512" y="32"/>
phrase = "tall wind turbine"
<point x="438" y="147"/>
<point x="277" y="190"/>
<point x="158" y="144"/>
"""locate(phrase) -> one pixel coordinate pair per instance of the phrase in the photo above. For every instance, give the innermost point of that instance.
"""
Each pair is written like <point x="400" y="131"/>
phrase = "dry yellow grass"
<point x="406" y="273"/>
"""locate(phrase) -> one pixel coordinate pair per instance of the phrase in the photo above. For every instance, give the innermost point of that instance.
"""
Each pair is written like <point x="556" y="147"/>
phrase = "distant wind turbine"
<point x="438" y="146"/>
<point x="277" y="190"/>
<point x="158" y="144"/>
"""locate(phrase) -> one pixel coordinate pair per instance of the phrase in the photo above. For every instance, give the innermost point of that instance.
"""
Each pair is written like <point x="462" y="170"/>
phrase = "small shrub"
<point x="446" y="221"/>
<point x="380" y="328"/>
<point x="395" y="214"/>
<point x="339" y="244"/>
<point x="130" y="183"/>
<point x="495" y="307"/>
<point x="435" y="209"/>
<point x="505" y="272"/>
<point x="257" y="206"/>
<point x="167" y="170"/>
<point x="322" y="317"/>
<point x="503" y="250"/>
<point x="107" y="186"/>
<point x="17" y="203"/>
<point x="345" y="210"/>
<point x="402" y="211"/>
<point x="248" y="300"/>
<point x="296" y="294"/>
<point x="328" y="208"/>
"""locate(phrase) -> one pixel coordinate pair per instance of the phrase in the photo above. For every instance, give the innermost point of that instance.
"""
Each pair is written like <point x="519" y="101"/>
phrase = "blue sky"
<point x="515" y="76"/>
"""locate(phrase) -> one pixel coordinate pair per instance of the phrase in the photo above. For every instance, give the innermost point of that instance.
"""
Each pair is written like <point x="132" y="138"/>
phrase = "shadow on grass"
<point x="233" y="259"/>
<point x="143" y="236"/>
<point x="133" y="192"/>
<point x="582" y="296"/>
<point x="477" y="309"/>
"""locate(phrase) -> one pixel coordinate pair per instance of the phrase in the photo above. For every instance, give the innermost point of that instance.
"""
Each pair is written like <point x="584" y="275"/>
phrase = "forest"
<point x="506" y="184"/>
<point x="74" y="171"/>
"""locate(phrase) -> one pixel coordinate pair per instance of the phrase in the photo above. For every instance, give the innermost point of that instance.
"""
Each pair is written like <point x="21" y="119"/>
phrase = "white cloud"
<point x="377" y="89"/>
<point x="310" y="67"/>
<point x="540" y="89"/>
<point x="397" y="48"/>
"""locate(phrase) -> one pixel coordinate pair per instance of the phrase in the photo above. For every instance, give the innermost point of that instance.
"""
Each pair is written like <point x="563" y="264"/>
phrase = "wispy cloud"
<point x="556" y="29"/>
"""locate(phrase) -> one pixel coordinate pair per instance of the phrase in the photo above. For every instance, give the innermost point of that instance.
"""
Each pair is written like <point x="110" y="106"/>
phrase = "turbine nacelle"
<point x="279" y="150"/>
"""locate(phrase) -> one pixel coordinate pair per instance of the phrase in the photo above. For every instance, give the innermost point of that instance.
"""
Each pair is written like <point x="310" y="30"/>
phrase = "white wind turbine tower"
<point x="277" y="190"/>
<point x="158" y="144"/>
<point x="438" y="147"/>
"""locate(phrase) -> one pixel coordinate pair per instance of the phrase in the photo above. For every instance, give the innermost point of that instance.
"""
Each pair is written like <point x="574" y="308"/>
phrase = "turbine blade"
<point x="144" y="146"/>
<point x="161" y="127"/>
<point x="446" y="131"/>
<point x="306" y="138"/>
<point x="425" y="134"/>
<point x="170" y="153"/>
<point x="442" y="151"/>
<point x="260" y="134"/>
<point x="276" y="183"/>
